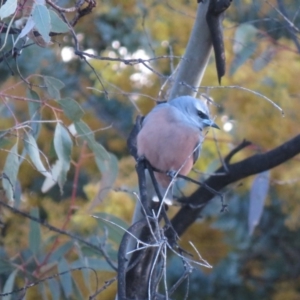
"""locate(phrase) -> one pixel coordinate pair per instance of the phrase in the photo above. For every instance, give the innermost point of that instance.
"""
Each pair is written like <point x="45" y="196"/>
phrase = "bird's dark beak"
<point x="214" y="125"/>
<point x="210" y="123"/>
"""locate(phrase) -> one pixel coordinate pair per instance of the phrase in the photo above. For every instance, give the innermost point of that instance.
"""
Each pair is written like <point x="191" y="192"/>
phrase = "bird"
<point x="171" y="136"/>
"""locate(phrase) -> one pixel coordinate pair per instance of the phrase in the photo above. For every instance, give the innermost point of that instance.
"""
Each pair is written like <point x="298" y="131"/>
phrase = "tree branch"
<point x="235" y="172"/>
<point x="193" y="65"/>
<point x="98" y="248"/>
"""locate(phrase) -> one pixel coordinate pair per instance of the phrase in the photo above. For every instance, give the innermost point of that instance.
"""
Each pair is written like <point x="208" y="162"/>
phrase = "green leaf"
<point x="66" y="279"/>
<point x="109" y="172"/>
<point x="41" y="18"/>
<point x="107" y="163"/>
<point x="77" y="290"/>
<point x="6" y="265"/>
<point x="49" y="182"/>
<point x="61" y="251"/>
<point x="258" y="194"/>
<point x="245" y="34"/>
<point x="34" y="154"/>
<point x="242" y="57"/>
<point x="11" y="168"/>
<point x="54" y="288"/>
<point x="4" y="140"/>
<point x="263" y="59"/>
<point x="34" y="232"/>
<point x="8" y="8"/>
<point x="115" y="225"/>
<point x="53" y="86"/>
<point x="63" y="147"/>
<point x="9" y="284"/>
<point x="26" y="29"/>
<point x="71" y="108"/>
<point x="98" y="264"/>
<point x="85" y="271"/>
<point x="57" y="24"/>
<point x="109" y="169"/>
<point x="34" y="112"/>
<point x="42" y="290"/>
<point x="245" y="44"/>
<point x="85" y="133"/>
<point x="99" y="151"/>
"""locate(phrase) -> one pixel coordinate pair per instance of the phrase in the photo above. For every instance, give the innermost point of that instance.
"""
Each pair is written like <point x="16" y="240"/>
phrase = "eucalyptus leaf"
<point x="85" y="133"/>
<point x="63" y="147"/>
<point x="54" y="288"/>
<point x="115" y="225"/>
<point x="26" y="29"/>
<point x="98" y="264"/>
<point x="41" y="18"/>
<point x="10" y="172"/>
<point x="71" y="108"/>
<point x="244" y="46"/>
<point x="49" y="182"/>
<point x="109" y="173"/>
<point x="8" y="8"/>
<point x="34" y="232"/>
<point x="53" y="86"/>
<point x="9" y="284"/>
<point x="6" y="265"/>
<point x="34" y="112"/>
<point x="66" y="278"/>
<point x="57" y="24"/>
<point x="264" y="59"/>
<point x="241" y="57"/>
<point x="34" y="154"/>
<point x="77" y="290"/>
<point x="61" y="251"/>
<point x="258" y="194"/>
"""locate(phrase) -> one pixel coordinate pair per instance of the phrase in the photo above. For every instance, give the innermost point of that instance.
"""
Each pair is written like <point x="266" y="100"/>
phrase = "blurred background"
<point x="263" y="55"/>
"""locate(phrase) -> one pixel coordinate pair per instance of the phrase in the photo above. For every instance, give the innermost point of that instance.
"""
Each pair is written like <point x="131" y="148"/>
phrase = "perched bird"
<point x="171" y="136"/>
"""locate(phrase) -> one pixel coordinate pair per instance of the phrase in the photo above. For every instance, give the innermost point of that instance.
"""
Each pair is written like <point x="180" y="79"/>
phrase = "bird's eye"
<point x="202" y="115"/>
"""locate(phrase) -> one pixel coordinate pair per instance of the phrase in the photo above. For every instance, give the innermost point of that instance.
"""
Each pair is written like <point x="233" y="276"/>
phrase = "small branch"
<point x="291" y="27"/>
<point x="104" y="287"/>
<point x="24" y="288"/>
<point x="63" y="232"/>
<point x="61" y="9"/>
<point x="247" y="90"/>
<point x="126" y="61"/>
<point x="237" y="149"/>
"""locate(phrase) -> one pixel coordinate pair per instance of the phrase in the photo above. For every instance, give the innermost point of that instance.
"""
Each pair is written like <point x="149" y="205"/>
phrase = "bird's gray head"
<point x="196" y="111"/>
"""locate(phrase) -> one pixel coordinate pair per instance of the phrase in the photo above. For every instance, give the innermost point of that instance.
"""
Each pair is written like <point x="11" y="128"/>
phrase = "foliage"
<point x="259" y="266"/>
<point x="65" y="118"/>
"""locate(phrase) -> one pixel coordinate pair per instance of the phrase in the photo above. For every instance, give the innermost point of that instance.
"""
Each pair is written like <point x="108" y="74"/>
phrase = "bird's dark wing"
<point x="131" y="141"/>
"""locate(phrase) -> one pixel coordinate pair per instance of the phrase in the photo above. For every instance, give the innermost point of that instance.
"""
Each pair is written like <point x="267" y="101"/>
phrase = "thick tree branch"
<point x="235" y="172"/>
<point x="193" y="65"/>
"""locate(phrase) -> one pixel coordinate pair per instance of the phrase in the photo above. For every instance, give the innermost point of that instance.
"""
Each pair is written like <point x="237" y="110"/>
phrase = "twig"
<point x="104" y="287"/>
<point x="24" y="288"/>
<point x="63" y="232"/>
<point x="247" y="90"/>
